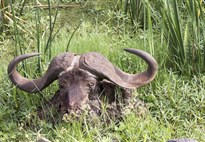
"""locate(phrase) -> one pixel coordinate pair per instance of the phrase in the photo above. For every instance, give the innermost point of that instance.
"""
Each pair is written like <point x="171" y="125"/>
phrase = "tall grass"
<point x="175" y="104"/>
<point x="135" y="10"/>
<point x="38" y="44"/>
<point x="185" y="35"/>
<point x="181" y="25"/>
<point x="131" y="17"/>
<point x="71" y="37"/>
<point x="3" y="7"/>
<point x="51" y="28"/>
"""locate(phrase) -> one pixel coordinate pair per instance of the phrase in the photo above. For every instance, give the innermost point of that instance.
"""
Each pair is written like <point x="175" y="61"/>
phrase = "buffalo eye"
<point x="91" y="84"/>
<point x="61" y="86"/>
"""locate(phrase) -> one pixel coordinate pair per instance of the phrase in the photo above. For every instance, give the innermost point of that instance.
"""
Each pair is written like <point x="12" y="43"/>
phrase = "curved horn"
<point x="100" y="66"/>
<point x="57" y="65"/>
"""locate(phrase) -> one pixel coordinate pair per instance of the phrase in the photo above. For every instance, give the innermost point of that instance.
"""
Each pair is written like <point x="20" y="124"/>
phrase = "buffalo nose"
<point x="71" y="104"/>
<point x="74" y="104"/>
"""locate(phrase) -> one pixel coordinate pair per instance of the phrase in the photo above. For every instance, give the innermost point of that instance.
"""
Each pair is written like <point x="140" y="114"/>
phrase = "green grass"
<point x="184" y="34"/>
<point x="176" y="103"/>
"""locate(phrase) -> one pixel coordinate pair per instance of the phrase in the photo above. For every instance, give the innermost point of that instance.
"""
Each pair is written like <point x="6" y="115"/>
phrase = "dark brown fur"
<point x="77" y="88"/>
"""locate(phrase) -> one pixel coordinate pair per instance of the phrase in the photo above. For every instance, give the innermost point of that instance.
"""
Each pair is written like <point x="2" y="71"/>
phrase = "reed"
<point x="38" y="41"/>
<point x="51" y="28"/>
<point x="184" y="33"/>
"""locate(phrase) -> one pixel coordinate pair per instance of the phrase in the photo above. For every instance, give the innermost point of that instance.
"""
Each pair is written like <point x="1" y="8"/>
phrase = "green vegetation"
<point x="174" y="34"/>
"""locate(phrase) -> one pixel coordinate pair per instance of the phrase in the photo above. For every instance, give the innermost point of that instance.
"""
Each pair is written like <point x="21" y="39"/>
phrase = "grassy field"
<point x="175" y="101"/>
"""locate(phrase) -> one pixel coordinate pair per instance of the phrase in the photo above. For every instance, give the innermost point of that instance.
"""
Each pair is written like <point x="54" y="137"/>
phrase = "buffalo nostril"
<point x="60" y="106"/>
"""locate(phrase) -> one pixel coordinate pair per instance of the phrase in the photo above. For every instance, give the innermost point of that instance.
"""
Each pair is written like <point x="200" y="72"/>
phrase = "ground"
<point x="175" y="103"/>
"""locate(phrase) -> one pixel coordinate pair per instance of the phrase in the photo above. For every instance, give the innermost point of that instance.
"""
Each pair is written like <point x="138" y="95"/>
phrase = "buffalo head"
<point x="80" y="77"/>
